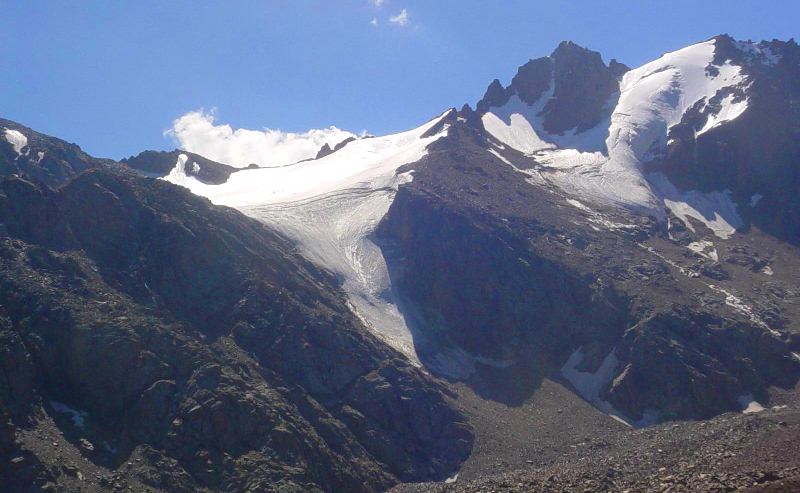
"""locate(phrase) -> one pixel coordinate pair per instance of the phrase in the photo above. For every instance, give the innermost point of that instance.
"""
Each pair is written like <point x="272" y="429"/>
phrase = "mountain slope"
<point x="593" y="249"/>
<point x="525" y="197"/>
<point x="330" y="206"/>
<point x="595" y="293"/>
<point x="193" y="339"/>
<point x="40" y="157"/>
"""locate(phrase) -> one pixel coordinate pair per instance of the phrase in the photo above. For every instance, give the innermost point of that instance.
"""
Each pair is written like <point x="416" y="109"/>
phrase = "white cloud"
<point x="374" y="21"/>
<point x="377" y="3"/>
<point x="196" y="132"/>
<point x="400" y="19"/>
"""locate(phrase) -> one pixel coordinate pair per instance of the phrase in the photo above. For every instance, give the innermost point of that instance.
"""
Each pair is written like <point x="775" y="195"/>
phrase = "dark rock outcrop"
<point x="326" y="149"/>
<point x="195" y="332"/>
<point x="506" y="269"/>
<point x="758" y="152"/>
<point x="160" y="163"/>
<point x="582" y="85"/>
<point x="45" y="159"/>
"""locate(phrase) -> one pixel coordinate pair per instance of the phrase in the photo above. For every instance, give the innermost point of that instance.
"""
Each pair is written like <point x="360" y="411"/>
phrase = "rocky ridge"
<point x="192" y="338"/>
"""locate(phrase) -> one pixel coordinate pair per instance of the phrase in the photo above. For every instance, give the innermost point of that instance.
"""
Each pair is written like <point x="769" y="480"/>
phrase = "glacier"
<point x="330" y="207"/>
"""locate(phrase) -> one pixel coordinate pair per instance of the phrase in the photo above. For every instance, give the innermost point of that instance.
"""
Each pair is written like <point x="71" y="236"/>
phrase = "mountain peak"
<point x="567" y="48"/>
<point x="575" y="81"/>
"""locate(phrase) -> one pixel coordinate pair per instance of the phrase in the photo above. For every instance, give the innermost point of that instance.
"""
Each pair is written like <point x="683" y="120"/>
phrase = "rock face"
<point x="755" y="154"/>
<point x="41" y="157"/>
<point x="160" y="163"/>
<point x="326" y="149"/>
<point x="193" y="338"/>
<point x="48" y="160"/>
<point x="505" y="269"/>
<point x="581" y="84"/>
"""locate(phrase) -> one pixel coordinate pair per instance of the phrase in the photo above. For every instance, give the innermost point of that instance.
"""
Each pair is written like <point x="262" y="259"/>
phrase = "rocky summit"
<point x="590" y="281"/>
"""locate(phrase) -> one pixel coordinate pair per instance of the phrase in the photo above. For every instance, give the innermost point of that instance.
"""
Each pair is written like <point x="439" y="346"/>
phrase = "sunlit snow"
<point x="604" y="164"/>
<point x="729" y="111"/>
<point x="17" y="140"/>
<point x="716" y="210"/>
<point x="331" y="206"/>
<point x="704" y="248"/>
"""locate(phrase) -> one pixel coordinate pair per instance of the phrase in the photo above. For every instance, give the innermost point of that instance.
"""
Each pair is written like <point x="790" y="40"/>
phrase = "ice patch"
<point x="330" y="207"/>
<point x="517" y="133"/>
<point x="578" y="205"/>
<point x="526" y="123"/>
<point x="195" y="167"/>
<point x="579" y="164"/>
<point x="589" y="385"/>
<point x="714" y="209"/>
<point x="755" y="199"/>
<point x="598" y="218"/>
<point x="451" y="479"/>
<point x="17" y="140"/>
<point x="77" y="416"/>
<point x="653" y="98"/>
<point x="767" y="270"/>
<point x="456" y="363"/>
<point x="749" y="405"/>
<point x="109" y="448"/>
<point x="704" y="248"/>
<point x="178" y="174"/>
<point x="729" y="111"/>
<point x="603" y="164"/>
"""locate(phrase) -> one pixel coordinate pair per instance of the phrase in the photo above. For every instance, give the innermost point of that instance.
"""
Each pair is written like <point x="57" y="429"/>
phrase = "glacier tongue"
<point x="330" y="207"/>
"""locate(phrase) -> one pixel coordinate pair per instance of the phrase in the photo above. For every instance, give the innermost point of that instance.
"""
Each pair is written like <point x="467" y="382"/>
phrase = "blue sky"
<point x="113" y="75"/>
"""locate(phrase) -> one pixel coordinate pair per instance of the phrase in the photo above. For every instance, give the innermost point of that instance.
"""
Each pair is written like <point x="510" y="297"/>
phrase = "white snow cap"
<point x="197" y="132"/>
<point x="17" y="140"/>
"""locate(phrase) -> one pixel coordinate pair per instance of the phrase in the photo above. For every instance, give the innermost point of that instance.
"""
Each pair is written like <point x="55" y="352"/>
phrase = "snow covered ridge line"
<point x="361" y="161"/>
<point x="330" y="207"/>
<point x="197" y="132"/>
